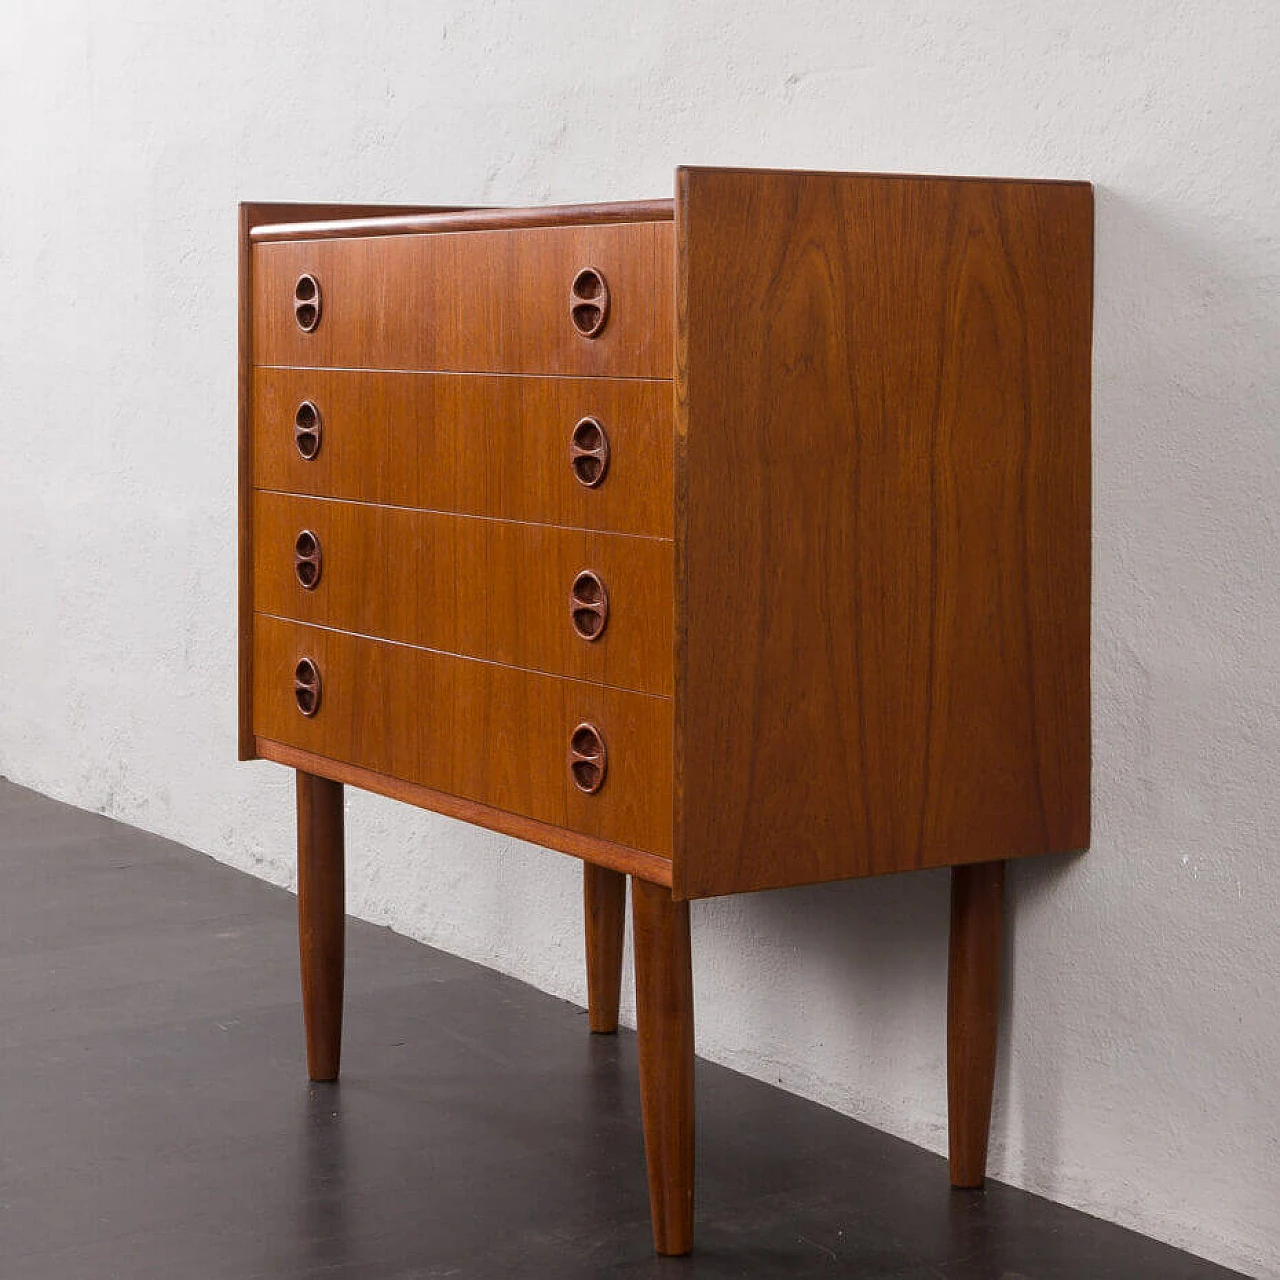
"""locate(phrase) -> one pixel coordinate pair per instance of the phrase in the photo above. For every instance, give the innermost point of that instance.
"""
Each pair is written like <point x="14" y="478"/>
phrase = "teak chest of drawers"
<point x="727" y="542"/>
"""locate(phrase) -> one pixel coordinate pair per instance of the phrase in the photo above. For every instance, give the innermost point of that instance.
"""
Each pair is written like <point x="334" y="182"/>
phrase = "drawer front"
<point x="475" y="444"/>
<point x="478" y="301"/>
<point x="482" y="588"/>
<point x="487" y="733"/>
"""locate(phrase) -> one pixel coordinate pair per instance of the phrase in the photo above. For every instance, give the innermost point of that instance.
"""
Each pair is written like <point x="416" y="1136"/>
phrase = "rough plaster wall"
<point x="1142" y="1041"/>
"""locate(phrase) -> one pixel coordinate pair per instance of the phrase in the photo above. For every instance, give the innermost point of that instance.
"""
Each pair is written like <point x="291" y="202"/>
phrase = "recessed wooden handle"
<point x="306" y="686"/>
<point x="307" y="560"/>
<point x="307" y="302"/>
<point x="306" y="429"/>
<point x="588" y="605"/>
<point x="588" y="760"/>
<point x="589" y="302"/>
<point x="589" y="451"/>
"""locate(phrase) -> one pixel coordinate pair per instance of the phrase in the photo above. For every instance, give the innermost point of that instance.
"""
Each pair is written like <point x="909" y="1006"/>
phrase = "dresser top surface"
<point x="435" y="220"/>
<point x="268" y="222"/>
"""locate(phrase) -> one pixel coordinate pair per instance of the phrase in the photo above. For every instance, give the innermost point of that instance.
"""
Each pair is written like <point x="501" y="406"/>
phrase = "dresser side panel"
<point x="883" y="524"/>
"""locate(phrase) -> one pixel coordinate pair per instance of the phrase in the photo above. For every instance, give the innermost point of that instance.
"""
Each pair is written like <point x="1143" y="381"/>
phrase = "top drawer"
<point x="584" y="300"/>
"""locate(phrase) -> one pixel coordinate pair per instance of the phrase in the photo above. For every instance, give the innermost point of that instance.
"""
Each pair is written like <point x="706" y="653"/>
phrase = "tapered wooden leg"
<point x="973" y="1015"/>
<point x="604" y="902"/>
<point x="321" y="920"/>
<point x="664" y="1026"/>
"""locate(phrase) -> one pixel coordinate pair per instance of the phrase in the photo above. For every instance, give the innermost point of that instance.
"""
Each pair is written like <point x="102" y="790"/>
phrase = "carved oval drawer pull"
<point x="306" y="559"/>
<point x="307" y="302"/>
<point x="589" y="451"/>
<point x="306" y="686"/>
<point x="589" y="302"/>
<point x="588" y="605"/>
<point x="306" y="429"/>
<point x="588" y="760"/>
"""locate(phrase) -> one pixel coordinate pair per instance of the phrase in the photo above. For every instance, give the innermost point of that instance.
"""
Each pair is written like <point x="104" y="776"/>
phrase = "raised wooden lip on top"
<point x="564" y="215"/>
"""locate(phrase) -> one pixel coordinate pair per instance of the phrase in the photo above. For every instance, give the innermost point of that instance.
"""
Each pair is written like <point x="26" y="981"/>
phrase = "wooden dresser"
<point x="727" y="542"/>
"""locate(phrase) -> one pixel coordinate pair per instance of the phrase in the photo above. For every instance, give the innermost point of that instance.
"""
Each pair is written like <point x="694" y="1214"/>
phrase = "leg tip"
<point x="673" y="1248"/>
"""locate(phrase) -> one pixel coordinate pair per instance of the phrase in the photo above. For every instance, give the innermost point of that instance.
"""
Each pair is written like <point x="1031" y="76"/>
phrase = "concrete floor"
<point x="155" y="1119"/>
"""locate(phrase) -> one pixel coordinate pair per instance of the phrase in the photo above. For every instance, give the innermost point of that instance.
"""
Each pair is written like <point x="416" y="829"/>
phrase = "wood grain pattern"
<point x="492" y="302"/>
<point x="882" y="524"/>
<point x="252" y="215"/>
<point x="604" y="910"/>
<point x="564" y="215"/>
<point x="482" y="732"/>
<point x="973" y="1015"/>
<point x="475" y="444"/>
<point x="482" y="588"/>
<point x="664" y="1033"/>
<point x="321" y="920"/>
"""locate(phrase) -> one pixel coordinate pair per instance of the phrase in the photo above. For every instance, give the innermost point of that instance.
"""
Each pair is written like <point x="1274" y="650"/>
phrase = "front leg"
<point x="321" y="920"/>
<point x="664" y="1027"/>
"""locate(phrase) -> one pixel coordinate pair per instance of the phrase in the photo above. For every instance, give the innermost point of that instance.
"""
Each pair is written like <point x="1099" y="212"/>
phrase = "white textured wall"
<point x="1142" y="1044"/>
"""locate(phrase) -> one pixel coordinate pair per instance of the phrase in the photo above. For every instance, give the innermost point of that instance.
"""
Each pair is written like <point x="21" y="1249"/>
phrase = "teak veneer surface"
<point x="476" y="444"/>
<point x="478" y="301"/>
<point x="488" y="733"/>
<point x="482" y="588"/>
<point x="882" y="471"/>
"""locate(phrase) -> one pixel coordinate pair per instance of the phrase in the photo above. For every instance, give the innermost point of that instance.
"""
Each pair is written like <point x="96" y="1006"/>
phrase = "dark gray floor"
<point x="155" y="1120"/>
